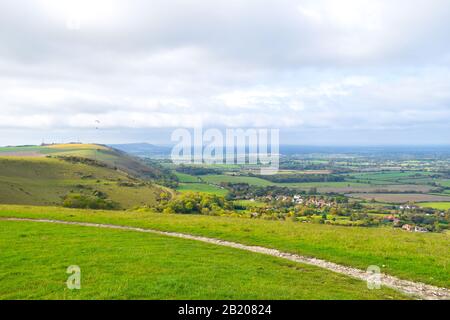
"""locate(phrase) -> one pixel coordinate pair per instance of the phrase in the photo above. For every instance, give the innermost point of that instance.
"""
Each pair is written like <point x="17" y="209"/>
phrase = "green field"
<point x="352" y="185"/>
<point x="444" y="182"/>
<point x="413" y="256"/>
<point x="250" y="204"/>
<point x="190" y="183"/>
<point x="45" y="181"/>
<point x="57" y="149"/>
<point x="201" y="187"/>
<point x="436" y="205"/>
<point x="218" y="179"/>
<point x="186" y="178"/>
<point x="128" y="265"/>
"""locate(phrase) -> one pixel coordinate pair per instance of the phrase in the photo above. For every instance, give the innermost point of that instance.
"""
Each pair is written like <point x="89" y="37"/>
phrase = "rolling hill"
<point x="46" y="175"/>
<point x="114" y="158"/>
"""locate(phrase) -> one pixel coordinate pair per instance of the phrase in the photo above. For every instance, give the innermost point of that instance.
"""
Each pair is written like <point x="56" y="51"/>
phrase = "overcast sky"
<point x="323" y="71"/>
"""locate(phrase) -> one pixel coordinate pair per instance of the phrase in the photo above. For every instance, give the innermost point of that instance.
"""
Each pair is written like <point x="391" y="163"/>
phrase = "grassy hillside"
<point x="34" y="180"/>
<point x="119" y="264"/>
<point x="111" y="157"/>
<point x="413" y="256"/>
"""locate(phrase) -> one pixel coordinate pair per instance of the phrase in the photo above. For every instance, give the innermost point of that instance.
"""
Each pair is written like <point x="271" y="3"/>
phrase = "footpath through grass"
<point x="117" y="264"/>
<point x="411" y="256"/>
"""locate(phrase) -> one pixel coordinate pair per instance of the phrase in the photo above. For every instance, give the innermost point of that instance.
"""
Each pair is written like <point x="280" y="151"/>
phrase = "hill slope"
<point x="112" y="157"/>
<point x="46" y="175"/>
<point x="420" y="257"/>
<point x="130" y="265"/>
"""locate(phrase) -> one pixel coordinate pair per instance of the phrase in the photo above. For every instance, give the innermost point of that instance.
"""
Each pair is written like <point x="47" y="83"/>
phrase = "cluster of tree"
<point x="97" y="200"/>
<point x="299" y="213"/>
<point x="298" y="178"/>
<point x="295" y="165"/>
<point x="131" y="184"/>
<point x="75" y="159"/>
<point x="195" y="203"/>
<point x="160" y="174"/>
<point x="196" y="170"/>
<point x="432" y="222"/>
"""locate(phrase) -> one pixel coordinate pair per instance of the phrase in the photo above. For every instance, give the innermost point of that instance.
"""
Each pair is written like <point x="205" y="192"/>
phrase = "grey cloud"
<point x="296" y="64"/>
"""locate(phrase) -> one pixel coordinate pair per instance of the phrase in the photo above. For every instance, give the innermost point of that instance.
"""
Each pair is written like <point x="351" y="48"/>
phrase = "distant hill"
<point x="143" y="149"/>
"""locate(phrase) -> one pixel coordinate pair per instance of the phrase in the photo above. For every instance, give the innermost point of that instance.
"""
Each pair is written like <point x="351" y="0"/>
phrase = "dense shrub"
<point x="80" y="201"/>
<point x="196" y="203"/>
<point x="88" y="161"/>
<point x="299" y="178"/>
<point x="160" y="174"/>
<point x="246" y="191"/>
<point x="196" y="171"/>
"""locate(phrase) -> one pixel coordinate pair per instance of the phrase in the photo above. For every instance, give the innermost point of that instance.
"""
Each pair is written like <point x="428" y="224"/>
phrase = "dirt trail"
<point x="416" y="289"/>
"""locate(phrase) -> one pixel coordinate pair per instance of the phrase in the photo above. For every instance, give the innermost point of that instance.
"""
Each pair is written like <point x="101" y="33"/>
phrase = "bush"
<point x="81" y="201"/>
<point x="196" y="203"/>
<point x="196" y="171"/>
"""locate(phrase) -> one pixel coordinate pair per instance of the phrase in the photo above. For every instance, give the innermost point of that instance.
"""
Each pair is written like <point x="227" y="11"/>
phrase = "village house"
<point x="407" y="227"/>
<point x="297" y="199"/>
<point x="420" y="229"/>
<point x="318" y="203"/>
<point x="411" y="228"/>
<point x="408" y="207"/>
<point x="395" y="221"/>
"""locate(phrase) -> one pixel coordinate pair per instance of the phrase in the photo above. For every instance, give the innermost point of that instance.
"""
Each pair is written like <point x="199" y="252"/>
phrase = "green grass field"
<point x="201" y="187"/>
<point x="218" y="179"/>
<point x="57" y="149"/>
<point x="186" y="178"/>
<point x="250" y="204"/>
<point x="118" y="264"/>
<point x="413" y="256"/>
<point x="436" y="205"/>
<point x="444" y="182"/>
<point x="352" y="185"/>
